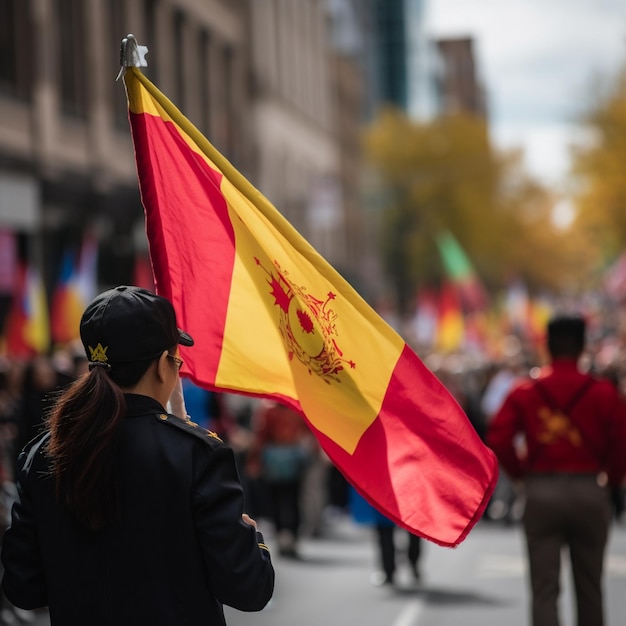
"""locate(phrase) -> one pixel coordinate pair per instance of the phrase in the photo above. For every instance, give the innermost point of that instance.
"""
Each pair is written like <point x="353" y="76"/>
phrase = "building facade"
<point x="66" y="158"/>
<point x="294" y="119"/>
<point x="261" y="80"/>
<point x="460" y="87"/>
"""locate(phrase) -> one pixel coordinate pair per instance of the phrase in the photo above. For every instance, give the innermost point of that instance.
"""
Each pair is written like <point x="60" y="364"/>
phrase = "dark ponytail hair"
<point x="83" y="427"/>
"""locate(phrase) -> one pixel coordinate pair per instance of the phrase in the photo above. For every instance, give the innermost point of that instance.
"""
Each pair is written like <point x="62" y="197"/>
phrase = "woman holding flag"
<point x="128" y="514"/>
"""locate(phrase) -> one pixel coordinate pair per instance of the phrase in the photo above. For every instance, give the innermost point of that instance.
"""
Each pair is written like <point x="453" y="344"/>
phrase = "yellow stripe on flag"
<point x="328" y="333"/>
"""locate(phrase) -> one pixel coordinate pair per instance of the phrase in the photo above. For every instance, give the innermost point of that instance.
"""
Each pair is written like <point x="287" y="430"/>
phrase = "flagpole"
<point x="134" y="55"/>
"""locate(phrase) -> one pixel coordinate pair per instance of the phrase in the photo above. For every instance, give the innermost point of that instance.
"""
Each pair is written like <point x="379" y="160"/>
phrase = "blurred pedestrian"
<point x="8" y="432"/>
<point x="612" y="373"/>
<point x="506" y="503"/>
<point x="280" y="453"/>
<point x="385" y="530"/>
<point x="573" y="449"/>
<point x="385" y="534"/>
<point x="128" y="514"/>
<point x="11" y="407"/>
<point x="36" y="397"/>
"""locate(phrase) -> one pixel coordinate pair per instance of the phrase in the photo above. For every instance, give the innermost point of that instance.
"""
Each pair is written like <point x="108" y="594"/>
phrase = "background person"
<point x="574" y="431"/>
<point x="385" y="530"/>
<point x="279" y="454"/>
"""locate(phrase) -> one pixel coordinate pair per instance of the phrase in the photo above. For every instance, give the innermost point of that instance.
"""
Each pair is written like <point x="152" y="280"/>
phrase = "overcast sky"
<point x="538" y="60"/>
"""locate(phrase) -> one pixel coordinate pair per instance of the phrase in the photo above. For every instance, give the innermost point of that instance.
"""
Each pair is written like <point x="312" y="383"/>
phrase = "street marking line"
<point x="410" y="613"/>
<point x="615" y="565"/>
<point x="501" y="566"/>
<point x="494" y="566"/>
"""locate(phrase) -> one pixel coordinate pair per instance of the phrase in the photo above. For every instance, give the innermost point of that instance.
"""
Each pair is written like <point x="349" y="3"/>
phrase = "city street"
<point x="481" y="582"/>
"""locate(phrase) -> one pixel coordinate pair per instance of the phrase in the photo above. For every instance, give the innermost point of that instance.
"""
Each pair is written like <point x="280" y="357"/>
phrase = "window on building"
<point x="392" y="51"/>
<point x="150" y="22"/>
<point x="179" y="57"/>
<point x="73" y="83"/>
<point x="117" y="23"/>
<point x="204" y="47"/>
<point x="228" y="68"/>
<point x="16" y="51"/>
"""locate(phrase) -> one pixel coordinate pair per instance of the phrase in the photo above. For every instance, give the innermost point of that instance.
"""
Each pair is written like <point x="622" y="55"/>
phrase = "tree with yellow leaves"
<point x="445" y="176"/>
<point x="601" y="172"/>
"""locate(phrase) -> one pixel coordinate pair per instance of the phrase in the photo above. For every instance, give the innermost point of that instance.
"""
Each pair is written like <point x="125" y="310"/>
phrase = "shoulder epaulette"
<point x="188" y="426"/>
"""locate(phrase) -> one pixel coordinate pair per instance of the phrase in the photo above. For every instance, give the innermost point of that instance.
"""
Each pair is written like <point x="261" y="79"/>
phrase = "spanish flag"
<point x="271" y="318"/>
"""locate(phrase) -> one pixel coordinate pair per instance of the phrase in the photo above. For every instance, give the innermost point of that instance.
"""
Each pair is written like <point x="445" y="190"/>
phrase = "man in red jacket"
<point x="564" y="435"/>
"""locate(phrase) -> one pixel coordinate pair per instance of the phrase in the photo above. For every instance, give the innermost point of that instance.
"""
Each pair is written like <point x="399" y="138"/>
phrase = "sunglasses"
<point x="179" y="362"/>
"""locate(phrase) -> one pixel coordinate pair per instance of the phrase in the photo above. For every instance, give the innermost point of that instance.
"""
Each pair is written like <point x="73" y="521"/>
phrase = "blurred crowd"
<point x="288" y="479"/>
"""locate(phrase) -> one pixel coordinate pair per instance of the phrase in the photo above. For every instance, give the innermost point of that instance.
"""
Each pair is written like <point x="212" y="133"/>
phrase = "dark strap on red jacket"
<point x="567" y="409"/>
<point x="573" y="401"/>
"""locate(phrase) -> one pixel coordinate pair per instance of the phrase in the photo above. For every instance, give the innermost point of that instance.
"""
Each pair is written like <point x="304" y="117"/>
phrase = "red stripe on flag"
<point x="205" y="234"/>
<point x="429" y="440"/>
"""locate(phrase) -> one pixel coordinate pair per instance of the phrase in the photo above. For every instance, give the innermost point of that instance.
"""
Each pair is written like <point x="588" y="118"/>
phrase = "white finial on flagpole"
<point x="131" y="54"/>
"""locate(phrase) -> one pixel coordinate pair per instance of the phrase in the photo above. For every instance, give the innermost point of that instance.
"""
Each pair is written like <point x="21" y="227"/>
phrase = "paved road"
<point x="482" y="582"/>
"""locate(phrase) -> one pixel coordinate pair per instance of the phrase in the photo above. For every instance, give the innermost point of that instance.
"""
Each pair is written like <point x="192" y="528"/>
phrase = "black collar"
<point x="141" y="405"/>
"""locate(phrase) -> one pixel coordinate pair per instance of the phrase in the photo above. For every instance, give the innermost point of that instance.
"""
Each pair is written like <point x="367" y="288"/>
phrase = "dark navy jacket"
<point x="180" y="551"/>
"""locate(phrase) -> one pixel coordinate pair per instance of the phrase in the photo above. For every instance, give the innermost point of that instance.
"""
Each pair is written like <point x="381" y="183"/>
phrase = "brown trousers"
<point x="571" y="511"/>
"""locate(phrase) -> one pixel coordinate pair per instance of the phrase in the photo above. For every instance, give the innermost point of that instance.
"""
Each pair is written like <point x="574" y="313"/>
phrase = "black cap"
<point x="128" y="324"/>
